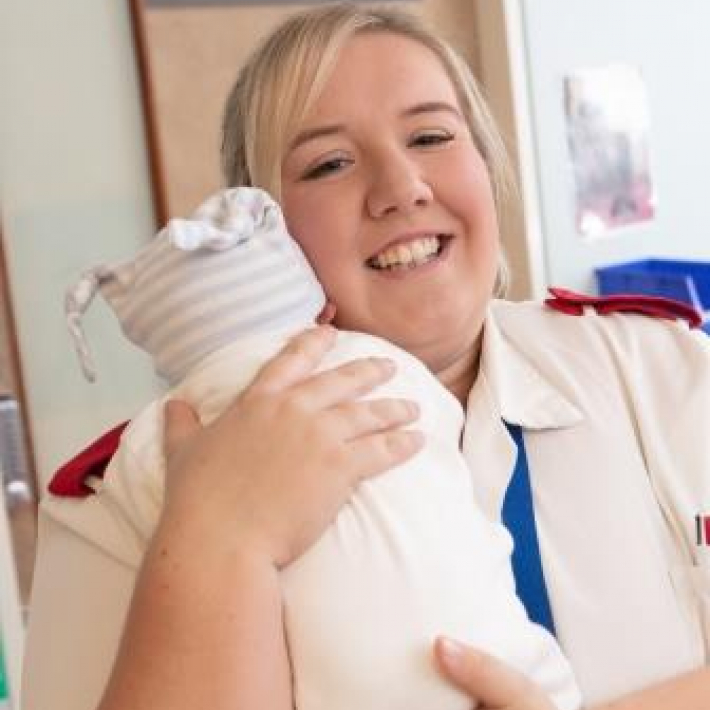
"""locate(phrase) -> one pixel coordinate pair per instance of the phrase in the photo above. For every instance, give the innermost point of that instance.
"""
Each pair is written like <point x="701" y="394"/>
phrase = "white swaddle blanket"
<point x="409" y="557"/>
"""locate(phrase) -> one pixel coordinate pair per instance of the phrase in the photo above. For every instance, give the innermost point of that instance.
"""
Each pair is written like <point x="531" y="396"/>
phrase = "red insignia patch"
<point x="574" y="304"/>
<point x="702" y="530"/>
<point x="68" y="481"/>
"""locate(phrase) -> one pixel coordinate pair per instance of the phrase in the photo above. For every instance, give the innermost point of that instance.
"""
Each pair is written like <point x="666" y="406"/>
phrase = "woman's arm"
<point x="244" y="496"/>
<point x="498" y="687"/>
<point x="690" y="691"/>
<point x="204" y="630"/>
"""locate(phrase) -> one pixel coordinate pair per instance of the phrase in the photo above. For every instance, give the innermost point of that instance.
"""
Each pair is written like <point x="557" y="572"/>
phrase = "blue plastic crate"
<point x="685" y="280"/>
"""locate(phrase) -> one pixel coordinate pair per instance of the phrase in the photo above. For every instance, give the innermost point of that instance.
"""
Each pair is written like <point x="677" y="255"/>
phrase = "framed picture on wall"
<point x="608" y="138"/>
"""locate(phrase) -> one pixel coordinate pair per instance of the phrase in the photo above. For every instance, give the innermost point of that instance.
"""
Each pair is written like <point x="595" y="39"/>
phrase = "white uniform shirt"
<point x="616" y="415"/>
<point x="615" y="411"/>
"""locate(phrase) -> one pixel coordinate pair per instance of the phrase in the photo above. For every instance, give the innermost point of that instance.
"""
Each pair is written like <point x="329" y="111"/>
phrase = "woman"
<point x="373" y="136"/>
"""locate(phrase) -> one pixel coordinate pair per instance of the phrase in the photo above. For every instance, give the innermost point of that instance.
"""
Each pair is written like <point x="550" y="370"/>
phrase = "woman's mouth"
<point x="409" y="255"/>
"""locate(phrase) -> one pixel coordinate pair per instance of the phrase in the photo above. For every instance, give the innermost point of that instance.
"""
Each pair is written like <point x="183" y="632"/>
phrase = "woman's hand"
<point x="486" y="680"/>
<point x="273" y="470"/>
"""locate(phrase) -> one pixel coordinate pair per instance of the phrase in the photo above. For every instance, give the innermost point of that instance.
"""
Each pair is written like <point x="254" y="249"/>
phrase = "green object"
<point x="4" y="695"/>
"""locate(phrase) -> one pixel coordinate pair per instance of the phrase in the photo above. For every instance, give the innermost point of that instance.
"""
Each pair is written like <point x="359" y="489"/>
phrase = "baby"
<point x="410" y="556"/>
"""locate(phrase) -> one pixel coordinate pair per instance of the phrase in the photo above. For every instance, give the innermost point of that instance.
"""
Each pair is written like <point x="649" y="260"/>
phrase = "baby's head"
<point x="228" y="272"/>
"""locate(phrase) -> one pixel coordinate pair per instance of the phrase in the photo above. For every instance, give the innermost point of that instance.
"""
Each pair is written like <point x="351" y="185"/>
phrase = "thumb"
<point x="485" y="679"/>
<point x="180" y="423"/>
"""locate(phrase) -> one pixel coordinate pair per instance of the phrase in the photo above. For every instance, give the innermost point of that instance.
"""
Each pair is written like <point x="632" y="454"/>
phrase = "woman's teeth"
<point x="408" y="255"/>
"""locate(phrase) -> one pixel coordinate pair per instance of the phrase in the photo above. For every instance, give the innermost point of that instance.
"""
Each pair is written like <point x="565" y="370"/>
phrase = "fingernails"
<point x="416" y="439"/>
<point x="451" y="652"/>
<point x="385" y="365"/>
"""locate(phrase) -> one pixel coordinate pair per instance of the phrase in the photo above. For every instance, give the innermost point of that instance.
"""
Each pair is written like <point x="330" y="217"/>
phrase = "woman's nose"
<point x="398" y="185"/>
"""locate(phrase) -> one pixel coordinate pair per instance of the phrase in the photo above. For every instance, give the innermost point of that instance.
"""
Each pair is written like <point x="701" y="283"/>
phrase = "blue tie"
<point x="519" y="517"/>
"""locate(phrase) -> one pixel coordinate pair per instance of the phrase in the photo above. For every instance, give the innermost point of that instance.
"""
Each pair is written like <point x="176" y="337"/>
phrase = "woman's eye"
<point x="431" y="139"/>
<point x="327" y="167"/>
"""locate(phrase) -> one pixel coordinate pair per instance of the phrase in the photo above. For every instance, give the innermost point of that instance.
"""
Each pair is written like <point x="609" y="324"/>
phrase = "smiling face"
<point x="388" y="195"/>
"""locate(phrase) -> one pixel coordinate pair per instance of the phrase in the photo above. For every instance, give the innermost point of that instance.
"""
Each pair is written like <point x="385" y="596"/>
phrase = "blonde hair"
<point x="278" y="84"/>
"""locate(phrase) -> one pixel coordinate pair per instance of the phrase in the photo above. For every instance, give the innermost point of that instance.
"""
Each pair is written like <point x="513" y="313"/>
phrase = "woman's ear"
<point x="327" y="314"/>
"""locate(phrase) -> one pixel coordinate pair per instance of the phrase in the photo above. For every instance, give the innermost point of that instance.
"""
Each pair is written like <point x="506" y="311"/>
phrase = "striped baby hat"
<point x="231" y="270"/>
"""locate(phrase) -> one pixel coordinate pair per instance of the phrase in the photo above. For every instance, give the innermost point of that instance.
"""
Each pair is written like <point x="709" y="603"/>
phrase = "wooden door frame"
<point x="503" y="62"/>
<point x="136" y="11"/>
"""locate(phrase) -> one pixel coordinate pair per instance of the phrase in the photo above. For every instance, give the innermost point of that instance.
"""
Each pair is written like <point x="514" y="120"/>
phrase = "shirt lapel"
<point x="507" y="388"/>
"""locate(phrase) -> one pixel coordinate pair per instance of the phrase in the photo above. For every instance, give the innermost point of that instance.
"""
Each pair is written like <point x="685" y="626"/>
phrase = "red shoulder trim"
<point x="68" y="481"/>
<point x="573" y="304"/>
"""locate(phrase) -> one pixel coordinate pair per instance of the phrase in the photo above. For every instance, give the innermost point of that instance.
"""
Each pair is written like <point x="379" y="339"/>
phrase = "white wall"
<point x="670" y="41"/>
<point x="74" y="191"/>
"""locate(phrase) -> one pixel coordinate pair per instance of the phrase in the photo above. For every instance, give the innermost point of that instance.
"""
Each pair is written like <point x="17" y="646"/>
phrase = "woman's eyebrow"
<point x="431" y="107"/>
<point x="312" y="133"/>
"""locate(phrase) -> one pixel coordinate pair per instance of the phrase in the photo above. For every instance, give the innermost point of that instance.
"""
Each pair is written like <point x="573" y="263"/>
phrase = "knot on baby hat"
<point x="226" y="219"/>
<point x="230" y="271"/>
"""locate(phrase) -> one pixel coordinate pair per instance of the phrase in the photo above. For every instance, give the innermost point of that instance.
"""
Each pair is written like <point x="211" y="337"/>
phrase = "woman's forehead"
<point x="380" y="71"/>
<point x="387" y="53"/>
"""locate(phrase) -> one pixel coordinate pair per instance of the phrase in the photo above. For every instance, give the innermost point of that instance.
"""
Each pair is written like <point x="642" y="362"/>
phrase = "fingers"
<point x="487" y="680"/>
<point x="293" y="368"/>
<point x="360" y="418"/>
<point x="180" y="423"/>
<point x="346" y="382"/>
<point x="376" y="453"/>
<point x="297" y="360"/>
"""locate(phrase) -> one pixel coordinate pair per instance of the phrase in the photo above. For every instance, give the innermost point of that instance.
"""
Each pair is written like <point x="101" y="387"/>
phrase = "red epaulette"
<point x="69" y="480"/>
<point x="574" y="304"/>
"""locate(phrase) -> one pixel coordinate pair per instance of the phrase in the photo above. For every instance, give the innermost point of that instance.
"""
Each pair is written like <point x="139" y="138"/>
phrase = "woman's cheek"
<point x="326" y="262"/>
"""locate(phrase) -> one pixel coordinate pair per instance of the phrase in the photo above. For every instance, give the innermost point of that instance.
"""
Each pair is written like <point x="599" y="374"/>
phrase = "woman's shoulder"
<point x="592" y="335"/>
<point x="579" y="314"/>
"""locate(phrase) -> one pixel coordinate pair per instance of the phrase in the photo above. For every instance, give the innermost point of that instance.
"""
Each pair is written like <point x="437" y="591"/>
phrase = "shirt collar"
<point x="522" y="394"/>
